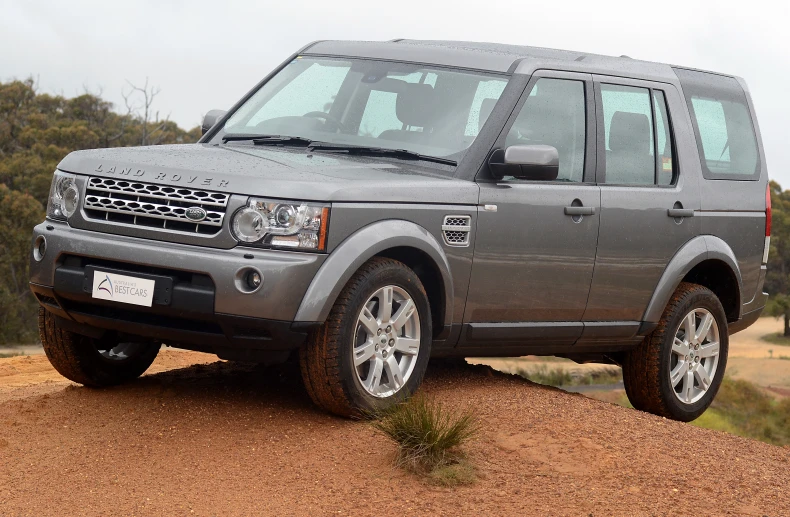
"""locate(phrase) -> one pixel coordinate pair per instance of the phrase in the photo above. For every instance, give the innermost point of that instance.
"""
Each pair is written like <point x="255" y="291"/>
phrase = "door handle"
<point x="579" y="210"/>
<point x="680" y="212"/>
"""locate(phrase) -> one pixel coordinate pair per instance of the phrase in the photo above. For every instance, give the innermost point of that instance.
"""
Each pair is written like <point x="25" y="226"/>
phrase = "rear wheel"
<point x="678" y="368"/>
<point x="373" y="349"/>
<point x="92" y="362"/>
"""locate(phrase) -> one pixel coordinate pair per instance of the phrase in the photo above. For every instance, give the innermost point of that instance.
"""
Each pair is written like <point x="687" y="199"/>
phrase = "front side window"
<point x="554" y="114"/>
<point x="428" y="110"/>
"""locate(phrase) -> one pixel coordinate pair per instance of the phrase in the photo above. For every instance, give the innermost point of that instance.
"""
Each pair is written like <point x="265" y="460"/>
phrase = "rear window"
<point x="722" y="125"/>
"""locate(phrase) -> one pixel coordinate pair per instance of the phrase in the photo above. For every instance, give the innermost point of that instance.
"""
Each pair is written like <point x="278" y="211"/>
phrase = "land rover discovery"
<point x="370" y="205"/>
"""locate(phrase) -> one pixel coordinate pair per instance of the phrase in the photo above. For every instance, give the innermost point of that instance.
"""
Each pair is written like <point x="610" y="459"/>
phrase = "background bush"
<point x="36" y="131"/>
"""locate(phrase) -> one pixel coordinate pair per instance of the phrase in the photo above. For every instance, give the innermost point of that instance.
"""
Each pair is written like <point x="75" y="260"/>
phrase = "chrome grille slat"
<point x="155" y="211"/>
<point x="153" y="206"/>
<point x="164" y="192"/>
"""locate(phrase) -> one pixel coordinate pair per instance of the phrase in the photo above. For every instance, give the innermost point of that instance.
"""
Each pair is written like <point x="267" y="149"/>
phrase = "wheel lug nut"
<point x="384" y="353"/>
<point x="389" y="328"/>
<point x="378" y="332"/>
<point x="392" y="342"/>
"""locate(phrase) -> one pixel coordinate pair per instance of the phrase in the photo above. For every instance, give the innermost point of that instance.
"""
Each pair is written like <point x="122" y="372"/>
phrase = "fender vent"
<point x="456" y="230"/>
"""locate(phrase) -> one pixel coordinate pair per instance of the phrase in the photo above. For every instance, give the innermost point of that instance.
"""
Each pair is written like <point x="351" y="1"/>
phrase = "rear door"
<point x="648" y="201"/>
<point x="534" y="259"/>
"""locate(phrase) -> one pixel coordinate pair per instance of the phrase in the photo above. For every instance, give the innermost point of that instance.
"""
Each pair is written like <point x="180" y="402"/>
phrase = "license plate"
<point x="123" y="289"/>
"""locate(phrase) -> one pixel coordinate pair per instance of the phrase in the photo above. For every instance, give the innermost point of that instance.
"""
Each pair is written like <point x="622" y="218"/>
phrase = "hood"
<point x="276" y="172"/>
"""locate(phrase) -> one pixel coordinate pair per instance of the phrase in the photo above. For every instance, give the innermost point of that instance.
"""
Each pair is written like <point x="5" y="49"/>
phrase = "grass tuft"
<point x="429" y="437"/>
<point x="460" y="473"/>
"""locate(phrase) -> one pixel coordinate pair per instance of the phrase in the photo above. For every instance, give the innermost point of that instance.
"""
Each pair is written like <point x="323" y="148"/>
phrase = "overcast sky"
<point x="206" y="54"/>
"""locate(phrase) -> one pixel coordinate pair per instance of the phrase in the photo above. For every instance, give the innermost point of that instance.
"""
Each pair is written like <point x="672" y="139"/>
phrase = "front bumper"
<point x="206" y="310"/>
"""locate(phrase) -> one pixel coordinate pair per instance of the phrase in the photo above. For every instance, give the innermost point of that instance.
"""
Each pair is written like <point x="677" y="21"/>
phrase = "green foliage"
<point x="429" y="437"/>
<point x="777" y="338"/>
<point x="19" y="212"/>
<point x="777" y="278"/>
<point x="740" y="408"/>
<point x="562" y="377"/>
<point x="744" y="409"/>
<point x="460" y="473"/>
<point x="36" y="132"/>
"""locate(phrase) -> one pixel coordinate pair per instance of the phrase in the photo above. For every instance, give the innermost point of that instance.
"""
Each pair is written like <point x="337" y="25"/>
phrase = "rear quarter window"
<point x="722" y="125"/>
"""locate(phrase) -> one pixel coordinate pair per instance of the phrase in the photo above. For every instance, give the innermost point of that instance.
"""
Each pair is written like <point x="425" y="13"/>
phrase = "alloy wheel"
<point x="387" y="341"/>
<point x="695" y="356"/>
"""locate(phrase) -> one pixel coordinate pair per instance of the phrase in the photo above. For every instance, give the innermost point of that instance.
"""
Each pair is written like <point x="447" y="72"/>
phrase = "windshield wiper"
<point x="397" y="153"/>
<point x="268" y="139"/>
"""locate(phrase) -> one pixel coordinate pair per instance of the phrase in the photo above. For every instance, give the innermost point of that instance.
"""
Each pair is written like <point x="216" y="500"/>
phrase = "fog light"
<point x="248" y="280"/>
<point x="254" y="279"/>
<point x="39" y="248"/>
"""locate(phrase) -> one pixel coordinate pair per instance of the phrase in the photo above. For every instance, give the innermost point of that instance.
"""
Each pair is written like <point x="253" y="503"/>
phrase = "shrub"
<point x="748" y="411"/>
<point x="562" y="377"/>
<point x="429" y="437"/>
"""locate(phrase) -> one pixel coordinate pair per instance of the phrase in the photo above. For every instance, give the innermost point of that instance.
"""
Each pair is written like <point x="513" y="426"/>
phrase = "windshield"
<point x="426" y="110"/>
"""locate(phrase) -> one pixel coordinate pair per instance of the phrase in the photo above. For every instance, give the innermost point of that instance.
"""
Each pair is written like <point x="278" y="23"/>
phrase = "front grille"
<point x="456" y="230"/>
<point x="153" y="206"/>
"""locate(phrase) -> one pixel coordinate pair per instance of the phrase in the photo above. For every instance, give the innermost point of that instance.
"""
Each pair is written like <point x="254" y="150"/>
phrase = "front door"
<point x="535" y="242"/>
<point x="647" y="202"/>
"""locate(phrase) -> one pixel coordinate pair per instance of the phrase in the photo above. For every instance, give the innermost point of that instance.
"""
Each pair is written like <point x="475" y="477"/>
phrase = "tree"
<point x="777" y="278"/>
<point x="36" y="131"/>
<point x="19" y="213"/>
<point x="154" y="131"/>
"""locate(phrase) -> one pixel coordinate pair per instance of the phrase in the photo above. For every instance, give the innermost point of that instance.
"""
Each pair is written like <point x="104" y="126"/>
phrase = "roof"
<point x="492" y="57"/>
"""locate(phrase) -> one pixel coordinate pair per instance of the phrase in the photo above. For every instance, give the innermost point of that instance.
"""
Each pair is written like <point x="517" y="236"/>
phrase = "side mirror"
<point x="533" y="162"/>
<point x="210" y="119"/>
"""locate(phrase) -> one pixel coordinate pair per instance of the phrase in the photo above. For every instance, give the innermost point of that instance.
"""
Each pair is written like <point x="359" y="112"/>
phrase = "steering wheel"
<point x="329" y="118"/>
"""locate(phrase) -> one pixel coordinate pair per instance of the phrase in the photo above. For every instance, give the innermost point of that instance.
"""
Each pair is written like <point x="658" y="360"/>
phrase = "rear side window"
<point x="636" y="124"/>
<point x="628" y="133"/>
<point x="666" y="167"/>
<point x="722" y="125"/>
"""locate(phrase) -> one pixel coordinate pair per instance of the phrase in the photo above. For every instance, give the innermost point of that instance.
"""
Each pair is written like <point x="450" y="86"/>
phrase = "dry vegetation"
<point x="429" y="437"/>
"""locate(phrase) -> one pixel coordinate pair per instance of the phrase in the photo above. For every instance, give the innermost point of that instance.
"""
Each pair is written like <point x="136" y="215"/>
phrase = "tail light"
<point x="767" y="223"/>
<point x="768" y="210"/>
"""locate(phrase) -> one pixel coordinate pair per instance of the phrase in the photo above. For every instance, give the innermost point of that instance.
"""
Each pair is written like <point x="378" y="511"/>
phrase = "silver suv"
<point x="368" y="206"/>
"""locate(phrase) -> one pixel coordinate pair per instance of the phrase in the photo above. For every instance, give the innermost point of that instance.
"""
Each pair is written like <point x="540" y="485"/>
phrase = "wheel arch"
<point x="706" y="260"/>
<point x="397" y="239"/>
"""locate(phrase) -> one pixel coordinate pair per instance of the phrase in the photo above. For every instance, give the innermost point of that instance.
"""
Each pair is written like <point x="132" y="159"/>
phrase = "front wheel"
<point x="89" y="361"/>
<point x="678" y="368"/>
<point x="373" y="349"/>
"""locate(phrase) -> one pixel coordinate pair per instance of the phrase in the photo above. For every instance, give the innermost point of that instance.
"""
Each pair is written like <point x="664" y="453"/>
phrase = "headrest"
<point x="415" y="105"/>
<point x="486" y="107"/>
<point x="629" y="132"/>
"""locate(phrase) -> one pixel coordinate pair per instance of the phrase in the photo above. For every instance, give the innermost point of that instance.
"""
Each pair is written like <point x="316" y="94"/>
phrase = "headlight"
<point x="282" y="224"/>
<point x="64" y="198"/>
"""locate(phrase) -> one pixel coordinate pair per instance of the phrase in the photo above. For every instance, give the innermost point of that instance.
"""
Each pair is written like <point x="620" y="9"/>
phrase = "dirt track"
<point x="223" y="439"/>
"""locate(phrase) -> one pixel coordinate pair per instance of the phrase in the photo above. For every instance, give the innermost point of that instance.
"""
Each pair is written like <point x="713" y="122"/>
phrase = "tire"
<point x="648" y="369"/>
<point x="334" y="377"/>
<point x="92" y="362"/>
